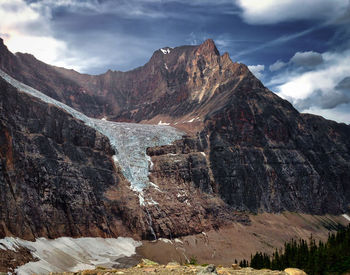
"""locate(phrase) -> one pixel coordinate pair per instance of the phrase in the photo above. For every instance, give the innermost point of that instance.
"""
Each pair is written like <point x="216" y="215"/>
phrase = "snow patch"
<point x="155" y="186"/>
<point x="71" y="255"/>
<point x="8" y="244"/>
<point x="191" y="120"/>
<point x="147" y="201"/>
<point x="346" y="217"/>
<point x="150" y="201"/>
<point x="163" y="123"/>
<point x="150" y="163"/>
<point x="165" y="51"/>
<point x="178" y="240"/>
<point x="165" y="240"/>
<point x="141" y="199"/>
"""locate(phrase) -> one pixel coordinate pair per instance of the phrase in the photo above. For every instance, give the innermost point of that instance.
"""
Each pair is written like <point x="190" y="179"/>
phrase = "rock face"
<point x="186" y="195"/>
<point x="54" y="171"/>
<point x="246" y="149"/>
<point x="178" y="83"/>
<point x="58" y="176"/>
<point x="266" y="156"/>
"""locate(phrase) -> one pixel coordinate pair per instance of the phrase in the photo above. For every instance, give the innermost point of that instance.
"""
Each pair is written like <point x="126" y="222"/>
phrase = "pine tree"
<point x="332" y="257"/>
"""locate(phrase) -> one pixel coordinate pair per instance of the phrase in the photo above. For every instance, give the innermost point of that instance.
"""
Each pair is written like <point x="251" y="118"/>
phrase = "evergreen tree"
<point x="332" y="257"/>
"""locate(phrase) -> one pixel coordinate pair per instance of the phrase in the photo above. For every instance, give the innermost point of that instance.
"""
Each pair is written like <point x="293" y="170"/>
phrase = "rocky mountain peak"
<point x="208" y="47"/>
<point x="3" y="49"/>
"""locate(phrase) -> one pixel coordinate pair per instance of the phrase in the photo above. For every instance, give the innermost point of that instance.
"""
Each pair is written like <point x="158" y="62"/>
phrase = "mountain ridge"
<point x="260" y="153"/>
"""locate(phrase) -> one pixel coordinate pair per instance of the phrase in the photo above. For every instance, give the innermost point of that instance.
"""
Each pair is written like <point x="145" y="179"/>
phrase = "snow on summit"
<point x="165" y="51"/>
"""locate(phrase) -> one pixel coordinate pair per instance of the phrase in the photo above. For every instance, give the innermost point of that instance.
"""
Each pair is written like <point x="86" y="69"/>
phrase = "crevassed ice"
<point x="69" y="254"/>
<point x="129" y="140"/>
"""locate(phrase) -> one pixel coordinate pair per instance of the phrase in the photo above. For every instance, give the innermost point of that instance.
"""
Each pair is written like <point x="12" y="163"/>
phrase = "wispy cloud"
<point x="275" y="11"/>
<point x="280" y="40"/>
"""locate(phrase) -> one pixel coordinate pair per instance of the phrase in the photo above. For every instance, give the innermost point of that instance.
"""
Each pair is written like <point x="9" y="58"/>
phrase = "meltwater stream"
<point x="129" y="140"/>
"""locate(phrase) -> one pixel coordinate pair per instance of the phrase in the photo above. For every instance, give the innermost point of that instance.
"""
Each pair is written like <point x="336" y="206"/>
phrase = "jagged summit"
<point x="175" y="86"/>
<point x="208" y="46"/>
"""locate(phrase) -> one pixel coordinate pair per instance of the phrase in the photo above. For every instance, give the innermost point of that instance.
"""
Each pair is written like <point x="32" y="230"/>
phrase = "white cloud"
<point x="277" y="66"/>
<point x="16" y="17"/>
<point x="274" y="11"/>
<point x="257" y="70"/>
<point x="312" y="91"/>
<point x="26" y="28"/>
<point x="336" y="68"/>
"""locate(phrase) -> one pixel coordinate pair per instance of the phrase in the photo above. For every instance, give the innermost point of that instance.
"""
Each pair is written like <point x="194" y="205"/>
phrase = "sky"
<point x="299" y="49"/>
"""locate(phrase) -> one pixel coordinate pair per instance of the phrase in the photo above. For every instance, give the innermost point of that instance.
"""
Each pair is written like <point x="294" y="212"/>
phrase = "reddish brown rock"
<point x="10" y="260"/>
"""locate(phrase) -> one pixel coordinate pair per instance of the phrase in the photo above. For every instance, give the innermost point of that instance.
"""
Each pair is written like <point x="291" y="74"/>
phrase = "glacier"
<point x="129" y="140"/>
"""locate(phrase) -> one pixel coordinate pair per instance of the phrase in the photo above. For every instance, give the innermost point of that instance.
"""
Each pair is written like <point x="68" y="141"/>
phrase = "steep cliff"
<point x="60" y="176"/>
<point x="54" y="171"/>
<point x="265" y="156"/>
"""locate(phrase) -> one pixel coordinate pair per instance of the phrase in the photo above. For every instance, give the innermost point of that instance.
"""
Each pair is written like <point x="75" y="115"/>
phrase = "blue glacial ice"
<point x="129" y="140"/>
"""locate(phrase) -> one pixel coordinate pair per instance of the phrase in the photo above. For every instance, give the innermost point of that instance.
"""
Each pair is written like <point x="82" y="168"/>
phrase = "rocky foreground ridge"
<point x="149" y="267"/>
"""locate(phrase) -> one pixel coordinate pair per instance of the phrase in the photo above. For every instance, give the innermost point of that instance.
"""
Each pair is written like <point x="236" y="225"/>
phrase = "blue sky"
<point x="299" y="49"/>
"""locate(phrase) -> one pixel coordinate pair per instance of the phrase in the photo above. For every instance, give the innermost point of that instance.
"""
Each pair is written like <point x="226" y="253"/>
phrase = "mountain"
<point x="64" y="174"/>
<point x="223" y="147"/>
<point x="261" y="153"/>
